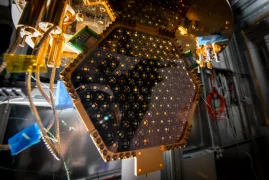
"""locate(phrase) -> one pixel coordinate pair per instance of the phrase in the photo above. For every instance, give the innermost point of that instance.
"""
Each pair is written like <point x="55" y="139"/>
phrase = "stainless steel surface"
<point x="5" y="111"/>
<point x="257" y="49"/>
<point x="172" y="165"/>
<point x="200" y="167"/>
<point x="249" y="11"/>
<point x="5" y="3"/>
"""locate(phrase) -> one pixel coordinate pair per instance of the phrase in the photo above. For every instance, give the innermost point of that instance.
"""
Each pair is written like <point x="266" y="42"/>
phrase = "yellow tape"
<point x="20" y="63"/>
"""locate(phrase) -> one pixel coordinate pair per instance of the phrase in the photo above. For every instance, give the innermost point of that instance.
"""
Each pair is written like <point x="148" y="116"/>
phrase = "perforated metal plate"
<point x="135" y="98"/>
<point x="134" y="93"/>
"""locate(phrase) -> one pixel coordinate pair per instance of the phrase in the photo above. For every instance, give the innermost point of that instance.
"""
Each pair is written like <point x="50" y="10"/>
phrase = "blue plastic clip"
<point x="62" y="100"/>
<point x="24" y="139"/>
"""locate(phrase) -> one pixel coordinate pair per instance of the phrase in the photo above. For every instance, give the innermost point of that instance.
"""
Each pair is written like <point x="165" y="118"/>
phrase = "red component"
<point x="215" y="113"/>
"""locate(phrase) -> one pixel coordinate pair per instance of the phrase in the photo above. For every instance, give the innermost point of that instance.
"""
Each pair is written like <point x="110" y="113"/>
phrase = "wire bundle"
<point x="14" y="48"/>
<point x="217" y="112"/>
<point x="55" y="151"/>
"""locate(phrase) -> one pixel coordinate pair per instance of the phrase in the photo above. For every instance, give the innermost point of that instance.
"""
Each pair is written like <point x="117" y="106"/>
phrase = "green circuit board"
<point x="83" y="40"/>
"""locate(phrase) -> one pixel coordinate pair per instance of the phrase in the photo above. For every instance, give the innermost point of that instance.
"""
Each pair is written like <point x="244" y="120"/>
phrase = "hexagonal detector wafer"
<point x="144" y="157"/>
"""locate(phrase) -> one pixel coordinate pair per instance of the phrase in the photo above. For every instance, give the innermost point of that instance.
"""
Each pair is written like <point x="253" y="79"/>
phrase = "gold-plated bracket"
<point x="106" y="6"/>
<point x="148" y="160"/>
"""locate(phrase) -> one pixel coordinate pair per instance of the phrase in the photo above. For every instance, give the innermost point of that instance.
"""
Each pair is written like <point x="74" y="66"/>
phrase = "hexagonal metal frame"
<point x="144" y="163"/>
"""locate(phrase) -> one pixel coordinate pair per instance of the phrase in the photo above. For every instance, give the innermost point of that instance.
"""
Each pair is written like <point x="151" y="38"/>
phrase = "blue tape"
<point x="202" y="40"/>
<point x="24" y="139"/>
<point x="62" y="100"/>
